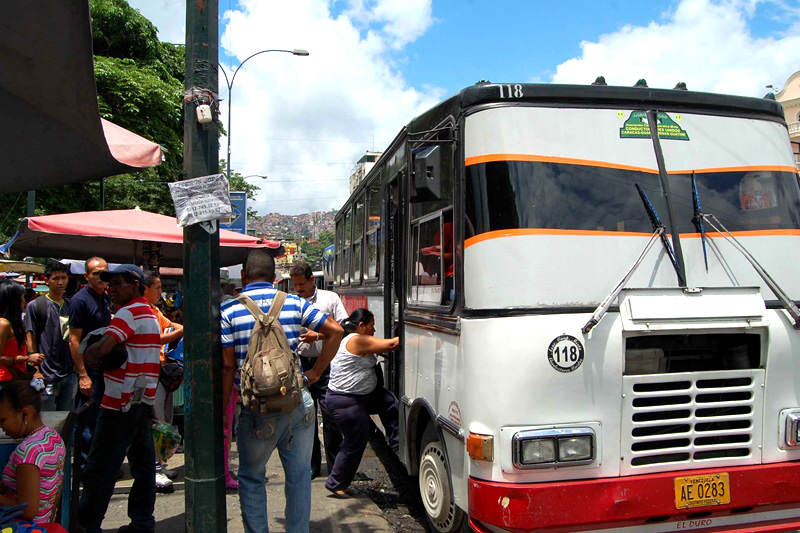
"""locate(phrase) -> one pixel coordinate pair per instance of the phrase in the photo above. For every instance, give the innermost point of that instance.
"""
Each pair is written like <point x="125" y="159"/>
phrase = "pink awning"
<point x="129" y="148"/>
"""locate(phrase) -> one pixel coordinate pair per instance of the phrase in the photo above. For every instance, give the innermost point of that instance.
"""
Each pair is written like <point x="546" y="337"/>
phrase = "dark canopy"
<point x="51" y="132"/>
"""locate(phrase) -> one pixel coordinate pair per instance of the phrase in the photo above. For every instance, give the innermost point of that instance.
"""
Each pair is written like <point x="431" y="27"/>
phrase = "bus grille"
<point x="691" y="420"/>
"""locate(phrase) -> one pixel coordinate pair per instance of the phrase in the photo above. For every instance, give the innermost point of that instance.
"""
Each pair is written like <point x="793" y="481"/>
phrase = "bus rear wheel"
<point x="436" y="489"/>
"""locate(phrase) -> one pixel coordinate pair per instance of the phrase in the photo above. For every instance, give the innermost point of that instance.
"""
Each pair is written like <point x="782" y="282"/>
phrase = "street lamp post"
<point x="229" y="83"/>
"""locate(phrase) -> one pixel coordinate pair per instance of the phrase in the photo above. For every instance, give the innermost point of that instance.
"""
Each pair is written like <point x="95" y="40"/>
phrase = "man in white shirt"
<point x="309" y="349"/>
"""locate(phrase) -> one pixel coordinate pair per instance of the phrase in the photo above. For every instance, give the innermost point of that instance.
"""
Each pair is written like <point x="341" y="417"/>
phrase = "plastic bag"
<point x="166" y="439"/>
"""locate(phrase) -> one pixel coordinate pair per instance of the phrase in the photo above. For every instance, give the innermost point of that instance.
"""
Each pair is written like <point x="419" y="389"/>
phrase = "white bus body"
<point x="679" y="409"/>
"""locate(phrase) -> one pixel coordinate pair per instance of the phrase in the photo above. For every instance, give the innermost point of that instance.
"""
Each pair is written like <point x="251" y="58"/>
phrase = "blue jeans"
<point x="256" y="437"/>
<point x="59" y="393"/>
<point x="116" y="436"/>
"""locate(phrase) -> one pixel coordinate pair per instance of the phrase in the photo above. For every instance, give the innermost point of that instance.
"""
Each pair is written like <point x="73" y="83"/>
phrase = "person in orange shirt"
<point x="170" y="331"/>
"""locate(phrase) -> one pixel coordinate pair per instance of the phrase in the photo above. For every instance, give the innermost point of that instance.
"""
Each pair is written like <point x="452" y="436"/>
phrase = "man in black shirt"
<point x="90" y="309"/>
<point x="46" y="326"/>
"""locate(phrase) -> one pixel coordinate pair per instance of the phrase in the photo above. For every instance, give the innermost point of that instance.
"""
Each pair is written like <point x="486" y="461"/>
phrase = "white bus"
<point x="595" y="292"/>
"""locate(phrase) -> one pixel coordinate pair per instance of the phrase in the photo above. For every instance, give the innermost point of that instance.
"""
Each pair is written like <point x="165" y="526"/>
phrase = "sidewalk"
<point x="328" y="514"/>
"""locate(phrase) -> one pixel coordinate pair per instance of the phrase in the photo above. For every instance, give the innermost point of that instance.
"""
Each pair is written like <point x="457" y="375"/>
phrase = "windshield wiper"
<point x="786" y="302"/>
<point x="658" y="232"/>
<point x="697" y="219"/>
<point x="601" y="310"/>
<point x="655" y="221"/>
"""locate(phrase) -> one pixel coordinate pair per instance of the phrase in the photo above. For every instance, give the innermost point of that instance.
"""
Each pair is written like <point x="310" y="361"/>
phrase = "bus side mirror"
<point x="426" y="181"/>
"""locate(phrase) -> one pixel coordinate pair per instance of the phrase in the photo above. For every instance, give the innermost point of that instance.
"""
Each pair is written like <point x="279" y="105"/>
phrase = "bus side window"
<point x="358" y="237"/>
<point x="338" y="250"/>
<point x="432" y="259"/>
<point x="373" y="240"/>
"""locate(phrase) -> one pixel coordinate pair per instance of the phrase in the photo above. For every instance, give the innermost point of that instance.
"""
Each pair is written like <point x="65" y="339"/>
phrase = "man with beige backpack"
<point x="260" y="331"/>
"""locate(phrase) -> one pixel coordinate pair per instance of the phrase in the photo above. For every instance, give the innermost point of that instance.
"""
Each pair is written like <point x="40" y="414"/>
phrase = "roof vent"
<point x="483" y="82"/>
<point x="600" y="80"/>
<point x="769" y="96"/>
<point x="641" y="83"/>
<point x="681" y="86"/>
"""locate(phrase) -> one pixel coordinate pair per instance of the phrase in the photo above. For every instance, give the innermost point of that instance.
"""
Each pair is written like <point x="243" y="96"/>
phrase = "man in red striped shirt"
<point x="126" y="411"/>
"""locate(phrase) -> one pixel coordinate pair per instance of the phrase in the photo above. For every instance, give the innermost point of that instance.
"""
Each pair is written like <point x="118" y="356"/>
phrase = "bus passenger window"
<point x="427" y="267"/>
<point x="372" y="261"/>
<point x="445" y="240"/>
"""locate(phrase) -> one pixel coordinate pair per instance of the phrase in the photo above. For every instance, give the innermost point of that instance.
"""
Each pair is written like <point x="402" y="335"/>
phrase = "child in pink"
<point x="34" y="473"/>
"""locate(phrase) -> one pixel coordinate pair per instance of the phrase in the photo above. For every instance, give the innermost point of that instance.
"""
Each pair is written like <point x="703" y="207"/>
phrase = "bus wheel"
<point x="435" y="487"/>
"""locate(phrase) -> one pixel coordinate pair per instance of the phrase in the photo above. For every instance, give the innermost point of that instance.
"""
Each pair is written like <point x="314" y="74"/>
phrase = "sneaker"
<point x="164" y="484"/>
<point x="162" y="468"/>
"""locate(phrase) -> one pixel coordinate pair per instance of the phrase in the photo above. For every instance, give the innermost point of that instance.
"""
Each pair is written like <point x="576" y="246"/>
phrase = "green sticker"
<point x="636" y="127"/>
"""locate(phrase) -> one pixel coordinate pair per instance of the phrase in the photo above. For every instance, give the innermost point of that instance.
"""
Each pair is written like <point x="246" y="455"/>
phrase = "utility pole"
<point x="205" y="483"/>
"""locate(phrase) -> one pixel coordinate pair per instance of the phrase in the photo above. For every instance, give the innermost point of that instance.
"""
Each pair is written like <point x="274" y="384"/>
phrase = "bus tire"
<point x="436" y="488"/>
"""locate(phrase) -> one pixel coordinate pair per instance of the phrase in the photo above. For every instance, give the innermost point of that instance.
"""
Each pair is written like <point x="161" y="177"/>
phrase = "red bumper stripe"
<point x="606" y="501"/>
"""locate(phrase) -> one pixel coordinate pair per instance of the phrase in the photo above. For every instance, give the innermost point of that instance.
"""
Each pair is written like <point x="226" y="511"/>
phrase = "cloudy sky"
<point x="375" y="64"/>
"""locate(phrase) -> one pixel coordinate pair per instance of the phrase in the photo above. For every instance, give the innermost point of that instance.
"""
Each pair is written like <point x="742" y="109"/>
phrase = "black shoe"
<point x="314" y="473"/>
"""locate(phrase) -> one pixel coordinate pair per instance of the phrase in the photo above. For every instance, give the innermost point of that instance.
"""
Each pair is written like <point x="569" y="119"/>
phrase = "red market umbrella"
<point x="122" y="236"/>
<point x="52" y="133"/>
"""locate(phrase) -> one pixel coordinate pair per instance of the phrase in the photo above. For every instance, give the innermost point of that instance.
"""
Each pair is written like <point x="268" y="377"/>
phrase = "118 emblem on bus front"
<point x="565" y="353"/>
<point x="511" y="91"/>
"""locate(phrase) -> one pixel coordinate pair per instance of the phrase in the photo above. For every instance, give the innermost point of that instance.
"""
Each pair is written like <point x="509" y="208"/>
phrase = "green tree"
<point x="312" y="251"/>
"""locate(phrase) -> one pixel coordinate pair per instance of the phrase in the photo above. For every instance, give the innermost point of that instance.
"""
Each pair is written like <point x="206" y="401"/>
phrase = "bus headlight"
<point x="553" y="447"/>
<point x="792" y="436"/>
<point x="538" y="451"/>
<point x="575" y="448"/>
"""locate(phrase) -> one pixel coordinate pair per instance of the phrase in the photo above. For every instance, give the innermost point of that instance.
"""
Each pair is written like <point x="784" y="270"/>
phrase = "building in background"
<point x="789" y="97"/>
<point x="362" y="167"/>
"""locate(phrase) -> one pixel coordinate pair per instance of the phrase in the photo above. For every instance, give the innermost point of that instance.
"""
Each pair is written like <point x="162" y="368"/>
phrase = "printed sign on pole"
<point x="202" y="199"/>
<point x="238" y="219"/>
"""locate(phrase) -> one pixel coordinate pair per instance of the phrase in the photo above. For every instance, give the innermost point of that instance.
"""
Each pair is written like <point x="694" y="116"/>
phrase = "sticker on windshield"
<point x="636" y="127"/>
<point x="565" y="353"/>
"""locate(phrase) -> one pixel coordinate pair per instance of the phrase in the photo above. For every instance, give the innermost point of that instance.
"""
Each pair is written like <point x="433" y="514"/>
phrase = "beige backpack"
<point x="271" y="379"/>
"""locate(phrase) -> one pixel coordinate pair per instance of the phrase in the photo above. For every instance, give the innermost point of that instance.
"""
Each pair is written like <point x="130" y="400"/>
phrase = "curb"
<point x="126" y="488"/>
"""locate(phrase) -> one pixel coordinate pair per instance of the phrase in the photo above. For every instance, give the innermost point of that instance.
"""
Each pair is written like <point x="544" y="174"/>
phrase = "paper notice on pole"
<point x="201" y="199"/>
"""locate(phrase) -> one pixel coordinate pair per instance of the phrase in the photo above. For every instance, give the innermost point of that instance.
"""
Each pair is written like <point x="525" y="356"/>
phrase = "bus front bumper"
<point x="760" y="494"/>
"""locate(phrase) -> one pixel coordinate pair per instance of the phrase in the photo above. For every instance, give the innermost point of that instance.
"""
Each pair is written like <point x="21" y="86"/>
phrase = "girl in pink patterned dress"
<point x="35" y="471"/>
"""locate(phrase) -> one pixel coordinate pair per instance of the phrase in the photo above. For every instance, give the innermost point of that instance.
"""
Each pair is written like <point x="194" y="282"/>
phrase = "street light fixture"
<point x="262" y="176"/>
<point x="229" y="83"/>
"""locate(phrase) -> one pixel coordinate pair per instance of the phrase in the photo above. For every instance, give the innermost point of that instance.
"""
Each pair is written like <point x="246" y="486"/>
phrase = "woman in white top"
<point x="354" y="394"/>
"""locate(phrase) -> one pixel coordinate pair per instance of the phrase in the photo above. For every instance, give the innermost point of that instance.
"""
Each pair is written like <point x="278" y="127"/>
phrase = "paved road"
<point x="385" y="500"/>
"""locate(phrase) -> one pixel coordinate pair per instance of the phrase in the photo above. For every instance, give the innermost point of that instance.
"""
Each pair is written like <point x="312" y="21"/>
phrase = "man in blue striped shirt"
<point x="258" y="435"/>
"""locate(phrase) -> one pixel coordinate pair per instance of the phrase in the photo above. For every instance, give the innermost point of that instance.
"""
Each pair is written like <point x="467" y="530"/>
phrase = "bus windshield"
<point x="523" y="194"/>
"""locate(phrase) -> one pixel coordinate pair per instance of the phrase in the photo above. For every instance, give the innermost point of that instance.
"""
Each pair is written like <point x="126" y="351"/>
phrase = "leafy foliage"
<point x="312" y="251"/>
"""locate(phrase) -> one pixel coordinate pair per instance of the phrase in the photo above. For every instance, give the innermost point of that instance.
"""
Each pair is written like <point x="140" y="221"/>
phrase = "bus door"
<point x="393" y="283"/>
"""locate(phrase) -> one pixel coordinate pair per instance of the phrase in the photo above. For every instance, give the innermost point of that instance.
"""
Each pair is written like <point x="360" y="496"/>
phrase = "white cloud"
<point x="708" y="44"/>
<point x="169" y="16"/>
<point x="399" y="21"/>
<point x="304" y="121"/>
<point x="298" y="119"/>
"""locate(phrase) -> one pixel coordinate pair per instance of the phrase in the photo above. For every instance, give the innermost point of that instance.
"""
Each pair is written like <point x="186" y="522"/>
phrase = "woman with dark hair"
<point x="12" y="333"/>
<point x="35" y="471"/>
<point x="354" y="393"/>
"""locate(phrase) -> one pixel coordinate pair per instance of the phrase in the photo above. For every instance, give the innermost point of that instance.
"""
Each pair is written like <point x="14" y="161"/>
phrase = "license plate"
<point x="702" y="491"/>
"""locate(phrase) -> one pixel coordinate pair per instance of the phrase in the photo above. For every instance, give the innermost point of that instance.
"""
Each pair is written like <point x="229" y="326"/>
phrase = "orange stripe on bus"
<point x="775" y="168"/>
<point x="490" y="158"/>
<point x="499" y="234"/>
<point x="747" y="233"/>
